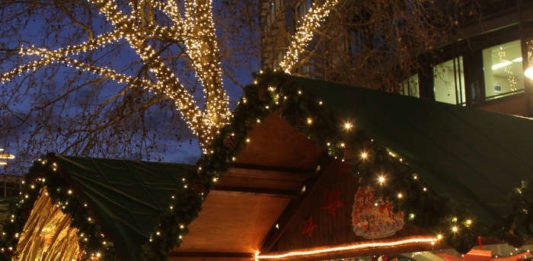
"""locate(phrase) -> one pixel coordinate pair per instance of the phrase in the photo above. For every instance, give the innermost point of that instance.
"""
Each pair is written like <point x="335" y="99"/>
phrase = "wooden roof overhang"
<point x="241" y="209"/>
<point x="261" y="195"/>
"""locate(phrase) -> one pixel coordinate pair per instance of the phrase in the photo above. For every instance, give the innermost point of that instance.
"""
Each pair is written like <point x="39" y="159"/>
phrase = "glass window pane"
<point x="410" y="87"/>
<point x="449" y="81"/>
<point x="503" y="70"/>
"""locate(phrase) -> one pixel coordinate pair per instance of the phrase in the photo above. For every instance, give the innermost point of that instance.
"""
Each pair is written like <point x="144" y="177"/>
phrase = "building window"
<point x="410" y="87"/>
<point x="449" y="81"/>
<point x="503" y="70"/>
<point x="356" y="43"/>
<point x="272" y="13"/>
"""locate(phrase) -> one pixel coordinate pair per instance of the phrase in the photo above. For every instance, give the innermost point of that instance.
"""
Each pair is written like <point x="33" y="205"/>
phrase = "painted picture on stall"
<point x="373" y="217"/>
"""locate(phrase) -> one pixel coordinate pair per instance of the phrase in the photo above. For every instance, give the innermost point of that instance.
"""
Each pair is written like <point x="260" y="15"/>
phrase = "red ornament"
<point x="333" y="203"/>
<point x="309" y="227"/>
<point x="373" y="217"/>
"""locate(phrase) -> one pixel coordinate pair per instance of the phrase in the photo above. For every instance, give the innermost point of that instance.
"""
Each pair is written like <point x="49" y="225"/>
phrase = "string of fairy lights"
<point x="196" y="31"/>
<point x="414" y="241"/>
<point x="194" y="28"/>
<point x="304" y="34"/>
<point x="201" y="47"/>
<point x="166" y="81"/>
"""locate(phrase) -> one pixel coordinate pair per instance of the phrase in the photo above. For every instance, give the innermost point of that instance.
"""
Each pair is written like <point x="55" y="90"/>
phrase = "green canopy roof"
<point x="458" y="166"/>
<point x="475" y="157"/>
<point x="127" y="197"/>
<point x="475" y="164"/>
<point x="128" y="200"/>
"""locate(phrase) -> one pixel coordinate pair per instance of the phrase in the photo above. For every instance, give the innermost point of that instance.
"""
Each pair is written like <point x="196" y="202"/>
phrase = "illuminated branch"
<point x="203" y="51"/>
<point x="97" y="43"/>
<point x="196" y="31"/>
<point x="56" y="57"/>
<point x="170" y="8"/>
<point x="304" y="34"/>
<point x="25" y="68"/>
<point x="167" y="81"/>
<point x="107" y="73"/>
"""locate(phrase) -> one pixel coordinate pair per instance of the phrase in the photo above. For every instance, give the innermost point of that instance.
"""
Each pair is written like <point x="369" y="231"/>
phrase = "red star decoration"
<point x="333" y="203"/>
<point x="309" y="227"/>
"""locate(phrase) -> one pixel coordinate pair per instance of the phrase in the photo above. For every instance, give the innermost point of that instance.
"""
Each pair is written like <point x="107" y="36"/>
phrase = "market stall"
<point x="386" y="173"/>
<point x="75" y="208"/>
<point x="307" y="170"/>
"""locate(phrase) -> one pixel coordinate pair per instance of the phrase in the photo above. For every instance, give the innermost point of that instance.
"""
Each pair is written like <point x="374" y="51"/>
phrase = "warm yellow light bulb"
<point x="455" y="229"/>
<point x="348" y="126"/>
<point x="529" y="72"/>
<point x="381" y="179"/>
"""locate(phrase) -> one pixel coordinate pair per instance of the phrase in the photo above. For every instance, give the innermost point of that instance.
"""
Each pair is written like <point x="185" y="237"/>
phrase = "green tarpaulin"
<point x="475" y="157"/>
<point x="127" y="197"/>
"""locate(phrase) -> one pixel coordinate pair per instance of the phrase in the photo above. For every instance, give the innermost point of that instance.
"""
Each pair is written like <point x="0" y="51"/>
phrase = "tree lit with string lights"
<point x="191" y="26"/>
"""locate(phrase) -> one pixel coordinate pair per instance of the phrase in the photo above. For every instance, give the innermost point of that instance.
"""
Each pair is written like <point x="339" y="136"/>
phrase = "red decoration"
<point x="483" y="255"/>
<point x="309" y="227"/>
<point x="478" y="255"/>
<point x="333" y="203"/>
<point x="373" y="217"/>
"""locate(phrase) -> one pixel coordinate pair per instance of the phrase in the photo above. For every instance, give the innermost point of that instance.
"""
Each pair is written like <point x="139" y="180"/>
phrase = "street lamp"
<point x="4" y="157"/>
<point x="529" y="72"/>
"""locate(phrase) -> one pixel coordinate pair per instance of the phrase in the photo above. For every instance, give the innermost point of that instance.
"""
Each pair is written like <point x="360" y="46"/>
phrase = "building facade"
<point x="480" y="63"/>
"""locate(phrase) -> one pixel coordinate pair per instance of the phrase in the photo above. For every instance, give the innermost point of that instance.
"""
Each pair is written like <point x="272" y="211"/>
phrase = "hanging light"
<point x="4" y="157"/>
<point x="529" y="72"/>
<point x="7" y="156"/>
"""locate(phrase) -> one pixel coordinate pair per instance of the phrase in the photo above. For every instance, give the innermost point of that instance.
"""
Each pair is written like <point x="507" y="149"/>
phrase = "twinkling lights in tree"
<point x="202" y="47"/>
<point x="304" y="34"/>
<point x="195" y="30"/>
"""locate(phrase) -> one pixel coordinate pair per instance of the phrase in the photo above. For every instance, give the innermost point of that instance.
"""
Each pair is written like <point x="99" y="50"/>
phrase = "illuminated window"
<point x="503" y="70"/>
<point x="410" y="87"/>
<point x="449" y="81"/>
